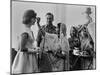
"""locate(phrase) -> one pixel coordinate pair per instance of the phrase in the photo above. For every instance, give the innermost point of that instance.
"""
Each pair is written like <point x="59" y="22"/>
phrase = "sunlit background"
<point x="69" y="14"/>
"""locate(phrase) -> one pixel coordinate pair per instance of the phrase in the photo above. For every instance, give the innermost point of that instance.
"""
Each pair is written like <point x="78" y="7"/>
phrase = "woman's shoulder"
<point x="24" y="35"/>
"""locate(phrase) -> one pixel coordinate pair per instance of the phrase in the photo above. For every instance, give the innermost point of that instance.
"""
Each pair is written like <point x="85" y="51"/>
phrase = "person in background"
<point x="74" y="42"/>
<point x="57" y="49"/>
<point x="25" y="60"/>
<point x="62" y="48"/>
<point x="87" y="43"/>
<point x="45" y="64"/>
<point x="87" y="48"/>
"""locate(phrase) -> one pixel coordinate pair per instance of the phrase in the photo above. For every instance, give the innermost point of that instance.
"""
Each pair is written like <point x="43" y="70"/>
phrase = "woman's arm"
<point x="41" y="33"/>
<point x="39" y="38"/>
<point x="38" y="22"/>
<point x="34" y="50"/>
<point x="23" y="41"/>
<point x="87" y="23"/>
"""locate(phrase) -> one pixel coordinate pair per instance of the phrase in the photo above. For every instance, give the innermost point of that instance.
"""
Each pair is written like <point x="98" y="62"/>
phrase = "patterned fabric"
<point x="49" y="29"/>
<point x="88" y="46"/>
<point x="44" y="63"/>
<point x="74" y="42"/>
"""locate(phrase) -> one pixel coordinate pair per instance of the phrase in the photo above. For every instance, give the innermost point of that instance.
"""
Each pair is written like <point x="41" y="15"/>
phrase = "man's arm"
<point x="39" y="38"/>
<point x="41" y="34"/>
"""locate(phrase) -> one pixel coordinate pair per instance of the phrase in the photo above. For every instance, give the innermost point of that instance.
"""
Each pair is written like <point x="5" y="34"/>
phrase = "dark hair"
<point x="49" y="13"/>
<point x="28" y="15"/>
<point x="59" y="25"/>
<point x="74" y="29"/>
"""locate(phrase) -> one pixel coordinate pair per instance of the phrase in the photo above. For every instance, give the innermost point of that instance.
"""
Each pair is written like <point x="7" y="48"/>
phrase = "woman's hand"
<point x="38" y="20"/>
<point x="42" y="32"/>
<point x="38" y="49"/>
<point x="32" y="50"/>
<point x="63" y="53"/>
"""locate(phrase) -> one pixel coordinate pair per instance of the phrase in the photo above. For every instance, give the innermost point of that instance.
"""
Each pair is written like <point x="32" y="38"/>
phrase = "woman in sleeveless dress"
<point x="62" y="47"/>
<point x="26" y="61"/>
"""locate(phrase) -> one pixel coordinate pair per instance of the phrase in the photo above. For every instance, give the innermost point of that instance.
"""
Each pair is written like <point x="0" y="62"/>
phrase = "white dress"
<point x="25" y="62"/>
<point x="65" y="48"/>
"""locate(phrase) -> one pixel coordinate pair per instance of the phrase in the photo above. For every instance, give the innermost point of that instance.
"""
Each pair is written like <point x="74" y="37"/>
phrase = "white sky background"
<point x="68" y="14"/>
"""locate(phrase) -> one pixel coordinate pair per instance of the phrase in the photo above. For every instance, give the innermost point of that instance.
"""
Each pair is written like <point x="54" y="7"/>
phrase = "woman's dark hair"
<point x="59" y="25"/>
<point x="28" y="15"/>
<point x="75" y="30"/>
<point x="85" y="29"/>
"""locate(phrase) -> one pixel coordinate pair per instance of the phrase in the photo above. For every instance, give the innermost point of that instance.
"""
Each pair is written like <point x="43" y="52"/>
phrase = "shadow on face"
<point x="84" y="32"/>
<point x="49" y="19"/>
<point x="33" y="20"/>
<point x="73" y="32"/>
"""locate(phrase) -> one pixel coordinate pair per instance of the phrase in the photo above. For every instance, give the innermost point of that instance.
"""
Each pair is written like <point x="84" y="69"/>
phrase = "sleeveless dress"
<point x="62" y="43"/>
<point x="25" y="61"/>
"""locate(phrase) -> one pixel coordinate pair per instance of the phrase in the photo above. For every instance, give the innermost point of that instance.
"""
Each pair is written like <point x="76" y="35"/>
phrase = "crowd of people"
<point x="53" y="52"/>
